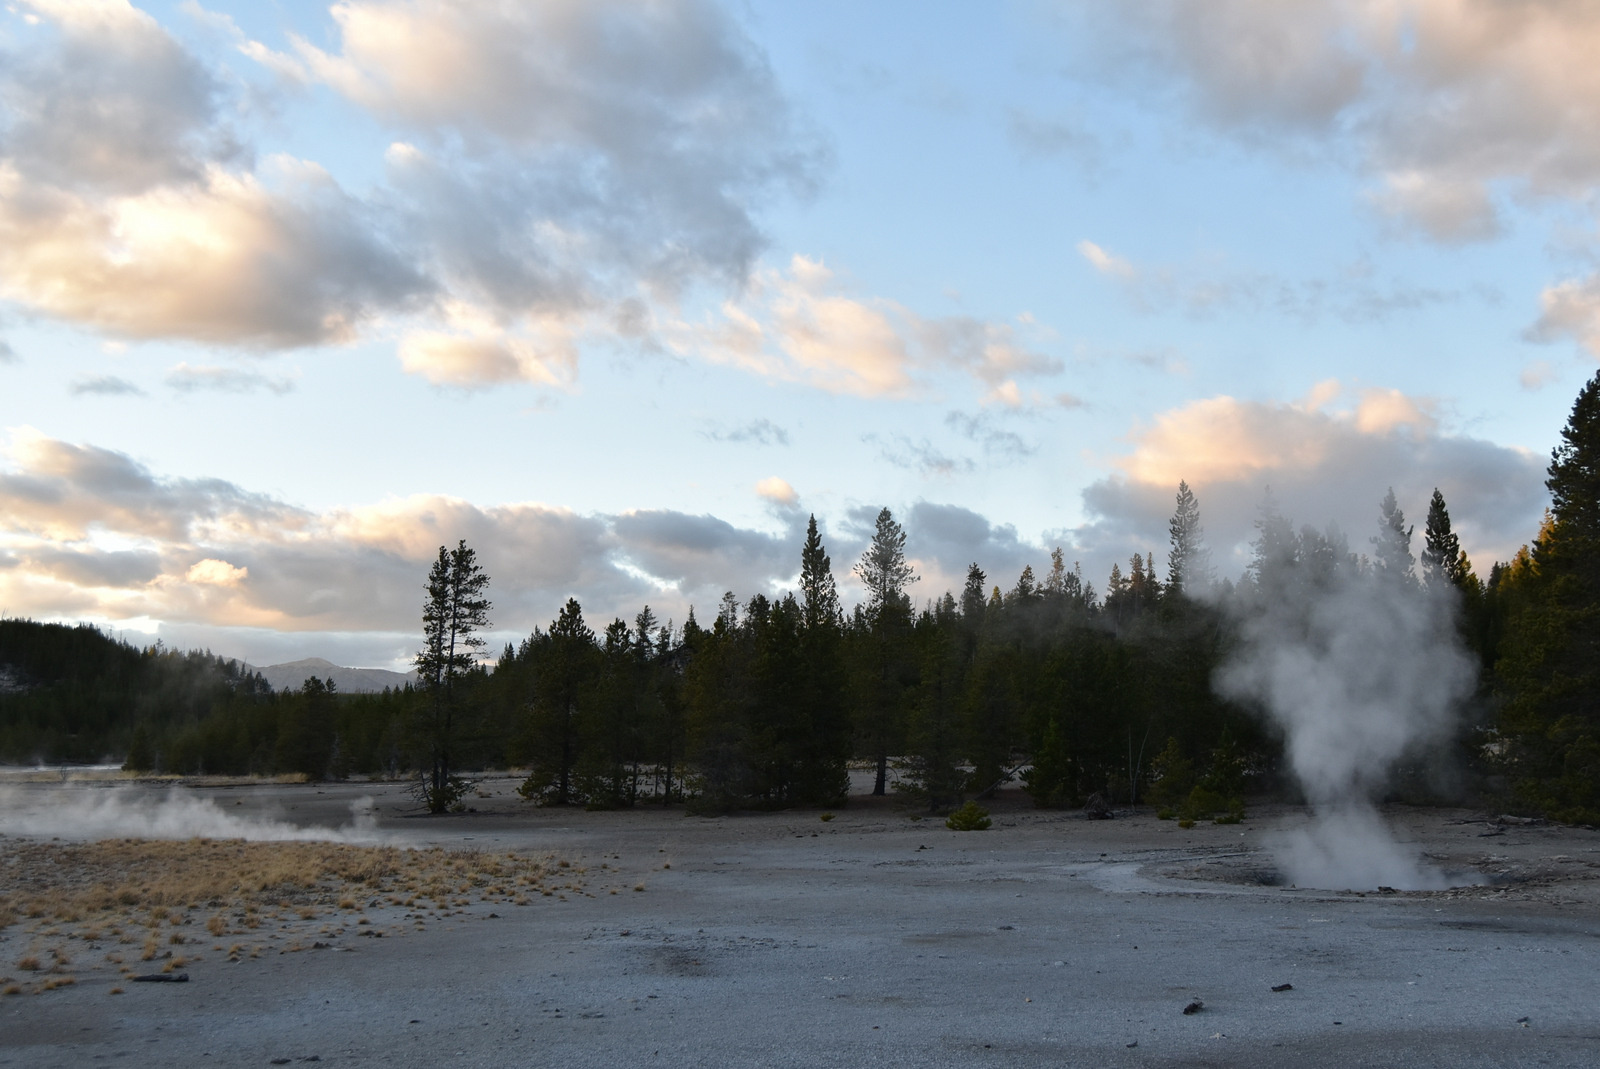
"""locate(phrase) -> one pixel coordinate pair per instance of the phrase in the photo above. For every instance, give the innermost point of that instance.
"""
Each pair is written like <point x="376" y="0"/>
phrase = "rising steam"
<point x="1359" y="669"/>
<point x="84" y="813"/>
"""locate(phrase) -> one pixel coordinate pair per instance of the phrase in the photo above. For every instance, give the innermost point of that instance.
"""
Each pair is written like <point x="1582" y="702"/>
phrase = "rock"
<point x="1193" y="1008"/>
<point x="161" y="978"/>
<point x="1283" y="987"/>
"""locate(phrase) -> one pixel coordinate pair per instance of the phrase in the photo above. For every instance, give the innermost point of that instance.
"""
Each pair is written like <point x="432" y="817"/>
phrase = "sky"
<point x="622" y="292"/>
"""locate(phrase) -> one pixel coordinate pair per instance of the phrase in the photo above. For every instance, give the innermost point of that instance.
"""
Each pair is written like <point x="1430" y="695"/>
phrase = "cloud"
<point x="1441" y="101"/>
<point x="1570" y="309"/>
<point x="1202" y="290"/>
<point x="1327" y="458"/>
<point x="1104" y="262"/>
<point x="757" y="431"/>
<point x="1536" y="375"/>
<point x="227" y="260"/>
<point x="104" y="386"/>
<point x="87" y="532"/>
<point x="186" y="378"/>
<point x="114" y="104"/>
<point x="918" y="456"/>
<point x="1445" y="209"/>
<point x="641" y="134"/>
<point x="777" y="490"/>
<point x="61" y="492"/>
<point x="477" y="353"/>
<point x="127" y="206"/>
<point x="804" y="326"/>
<point x="997" y="442"/>
<point x="1038" y="137"/>
<point x="213" y="572"/>
<point x="564" y="165"/>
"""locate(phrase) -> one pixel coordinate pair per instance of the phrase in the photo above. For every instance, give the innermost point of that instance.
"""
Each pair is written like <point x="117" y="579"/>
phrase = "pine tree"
<point x="1391" y="552"/>
<point x="820" y="774"/>
<point x="1551" y="667"/>
<point x="972" y="600"/>
<point x="1026" y="592"/>
<point x="883" y="568"/>
<point x="1055" y="583"/>
<point x="1188" y="563"/>
<point x="932" y="771"/>
<point x="1274" y="552"/>
<point x="565" y="671"/>
<point x="455" y="610"/>
<point x="885" y="573"/>
<point x="817" y="589"/>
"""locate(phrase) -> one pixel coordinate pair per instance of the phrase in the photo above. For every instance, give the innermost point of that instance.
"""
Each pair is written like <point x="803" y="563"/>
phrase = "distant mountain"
<point x="292" y="674"/>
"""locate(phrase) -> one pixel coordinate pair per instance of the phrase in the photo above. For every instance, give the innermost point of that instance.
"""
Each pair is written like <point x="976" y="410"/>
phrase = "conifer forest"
<point x="1044" y="679"/>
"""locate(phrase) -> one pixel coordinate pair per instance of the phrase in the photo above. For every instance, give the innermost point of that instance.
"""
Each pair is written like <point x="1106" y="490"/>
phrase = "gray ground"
<point x="873" y="939"/>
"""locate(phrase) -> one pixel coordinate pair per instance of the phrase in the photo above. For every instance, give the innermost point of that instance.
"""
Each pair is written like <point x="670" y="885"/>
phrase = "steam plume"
<point x="86" y="813"/>
<point x="1358" y="668"/>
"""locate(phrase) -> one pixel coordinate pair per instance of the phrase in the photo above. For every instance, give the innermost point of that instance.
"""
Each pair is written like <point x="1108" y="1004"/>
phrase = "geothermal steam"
<point x="121" y="813"/>
<point x="1358" y="670"/>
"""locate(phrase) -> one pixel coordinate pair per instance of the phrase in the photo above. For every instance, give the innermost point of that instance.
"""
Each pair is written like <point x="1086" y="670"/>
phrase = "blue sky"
<point x="290" y="294"/>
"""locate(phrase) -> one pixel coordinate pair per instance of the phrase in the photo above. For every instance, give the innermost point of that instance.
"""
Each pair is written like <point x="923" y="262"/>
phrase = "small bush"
<point x="1186" y="823"/>
<point x="970" y="817"/>
<point x="1166" y="813"/>
<point x="825" y="817"/>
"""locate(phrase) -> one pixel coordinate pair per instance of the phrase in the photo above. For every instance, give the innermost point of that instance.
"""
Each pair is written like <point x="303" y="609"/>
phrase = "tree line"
<point x="1042" y="680"/>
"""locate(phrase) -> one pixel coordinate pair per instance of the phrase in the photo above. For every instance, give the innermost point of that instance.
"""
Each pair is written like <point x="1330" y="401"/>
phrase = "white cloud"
<point x="562" y="162"/>
<point x="804" y="325"/>
<point x="1441" y="101"/>
<point x="1104" y="262"/>
<point x="777" y="490"/>
<point x="1327" y="458"/>
<point x="213" y="572"/>
<point x="1570" y="309"/>
<point x="88" y="532"/>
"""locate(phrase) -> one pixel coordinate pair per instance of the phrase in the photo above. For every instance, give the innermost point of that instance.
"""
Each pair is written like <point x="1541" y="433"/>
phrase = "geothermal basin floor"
<point x="873" y="939"/>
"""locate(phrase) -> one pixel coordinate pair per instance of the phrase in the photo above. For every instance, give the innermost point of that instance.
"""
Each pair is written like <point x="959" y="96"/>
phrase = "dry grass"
<point x="146" y="893"/>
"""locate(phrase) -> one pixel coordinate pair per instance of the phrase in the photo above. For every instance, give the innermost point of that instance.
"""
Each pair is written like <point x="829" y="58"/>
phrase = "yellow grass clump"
<point x="54" y="890"/>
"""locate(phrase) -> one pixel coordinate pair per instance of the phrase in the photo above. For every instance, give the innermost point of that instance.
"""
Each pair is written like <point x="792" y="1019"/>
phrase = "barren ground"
<point x="785" y="940"/>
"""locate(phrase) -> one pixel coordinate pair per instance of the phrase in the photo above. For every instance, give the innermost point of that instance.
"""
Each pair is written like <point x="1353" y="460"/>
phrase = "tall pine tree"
<point x="455" y="610"/>
<point x="1551" y="667"/>
<point x="885" y="573"/>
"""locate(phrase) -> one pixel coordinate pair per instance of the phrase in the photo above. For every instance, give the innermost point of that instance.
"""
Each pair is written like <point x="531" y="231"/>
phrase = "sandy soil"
<point x="873" y="938"/>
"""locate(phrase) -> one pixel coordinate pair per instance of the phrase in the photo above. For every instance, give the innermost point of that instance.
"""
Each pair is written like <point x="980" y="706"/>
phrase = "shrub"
<point x="970" y="817"/>
<point x="1171" y="777"/>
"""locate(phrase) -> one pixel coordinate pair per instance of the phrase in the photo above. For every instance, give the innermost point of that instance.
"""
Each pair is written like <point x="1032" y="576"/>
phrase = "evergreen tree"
<point x="1188" y="563"/>
<point x="1551" y="667"/>
<point x="1391" y="552"/>
<point x="932" y="771"/>
<point x="818" y="593"/>
<point x="565" y="669"/>
<point x="972" y="599"/>
<point x="455" y="610"/>
<point x="885" y="573"/>
<point x="820" y="774"/>
<point x="1051" y="781"/>
<point x="1275" y="551"/>
<point x="1026" y="592"/>
<point x="1442" y="559"/>
<point x="1055" y="583"/>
